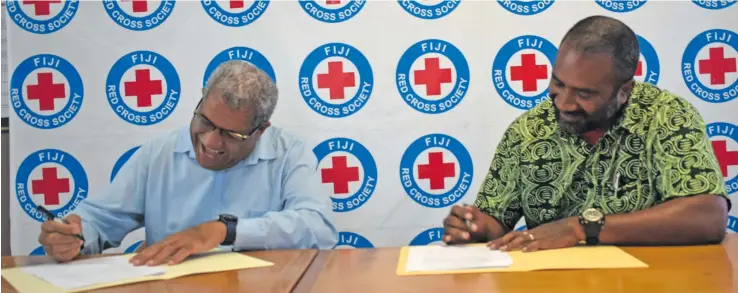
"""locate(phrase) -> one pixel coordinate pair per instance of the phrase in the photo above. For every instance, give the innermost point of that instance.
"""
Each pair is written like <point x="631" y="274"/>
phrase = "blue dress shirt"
<point x="275" y="192"/>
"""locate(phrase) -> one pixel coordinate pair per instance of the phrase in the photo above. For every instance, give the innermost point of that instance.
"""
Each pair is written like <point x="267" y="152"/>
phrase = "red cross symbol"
<point x="529" y="73"/>
<point x="41" y="7"/>
<point x="46" y="91"/>
<point x="725" y="158"/>
<point x="432" y="76"/>
<point x="139" y="5"/>
<point x="143" y="88"/>
<point x="336" y="80"/>
<point x="436" y="170"/>
<point x="332" y="2"/>
<point x="717" y="65"/>
<point x="235" y="4"/>
<point x="50" y="186"/>
<point x="639" y="69"/>
<point x="340" y="175"/>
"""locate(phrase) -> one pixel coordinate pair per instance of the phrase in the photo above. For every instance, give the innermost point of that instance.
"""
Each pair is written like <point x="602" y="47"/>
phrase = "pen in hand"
<point x="51" y="217"/>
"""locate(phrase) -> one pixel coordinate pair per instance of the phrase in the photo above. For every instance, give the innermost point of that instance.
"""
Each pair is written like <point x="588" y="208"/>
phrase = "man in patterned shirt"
<point x="606" y="159"/>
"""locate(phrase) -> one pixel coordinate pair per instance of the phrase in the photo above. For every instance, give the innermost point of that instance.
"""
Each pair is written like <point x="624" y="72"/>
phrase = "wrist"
<point x="216" y="229"/>
<point x="578" y="228"/>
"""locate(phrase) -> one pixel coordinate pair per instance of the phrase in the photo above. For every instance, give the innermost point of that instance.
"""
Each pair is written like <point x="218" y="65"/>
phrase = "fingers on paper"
<point x="503" y="242"/>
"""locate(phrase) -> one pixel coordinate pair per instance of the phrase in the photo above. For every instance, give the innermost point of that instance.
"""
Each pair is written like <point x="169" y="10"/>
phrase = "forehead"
<point x="583" y="70"/>
<point x="214" y="107"/>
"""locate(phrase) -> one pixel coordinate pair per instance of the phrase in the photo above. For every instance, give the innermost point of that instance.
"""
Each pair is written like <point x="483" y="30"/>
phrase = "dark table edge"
<point x="308" y="278"/>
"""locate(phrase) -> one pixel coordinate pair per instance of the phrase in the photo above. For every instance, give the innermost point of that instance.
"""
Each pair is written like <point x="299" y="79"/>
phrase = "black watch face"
<point x="228" y="217"/>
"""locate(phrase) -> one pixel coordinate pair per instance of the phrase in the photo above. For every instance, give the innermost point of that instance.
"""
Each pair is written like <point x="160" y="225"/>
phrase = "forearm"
<point x="287" y="229"/>
<point x="103" y="228"/>
<point x="683" y="221"/>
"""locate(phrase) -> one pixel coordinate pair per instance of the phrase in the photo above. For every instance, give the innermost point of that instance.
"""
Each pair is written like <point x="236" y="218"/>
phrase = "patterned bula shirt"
<point x="657" y="150"/>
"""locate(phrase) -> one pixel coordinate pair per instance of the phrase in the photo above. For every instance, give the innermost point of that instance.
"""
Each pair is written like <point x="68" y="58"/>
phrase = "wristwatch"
<point x="230" y="221"/>
<point x="592" y="221"/>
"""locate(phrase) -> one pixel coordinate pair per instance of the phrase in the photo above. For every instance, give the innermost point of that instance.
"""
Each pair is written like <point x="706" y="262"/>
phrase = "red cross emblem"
<point x="725" y="158"/>
<point x="143" y="88"/>
<point x="432" y="76"/>
<point x="139" y="5"/>
<point x="717" y="66"/>
<point x="50" y="186"/>
<point x="46" y="91"/>
<point x="236" y="4"/>
<point x="436" y="170"/>
<point x="340" y="175"/>
<point x="529" y="72"/>
<point x="336" y="80"/>
<point x="41" y="7"/>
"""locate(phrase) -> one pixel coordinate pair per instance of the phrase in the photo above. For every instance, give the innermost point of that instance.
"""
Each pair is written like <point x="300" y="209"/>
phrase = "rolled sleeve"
<point x="304" y="222"/>
<point x="685" y="162"/>
<point x="499" y="195"/>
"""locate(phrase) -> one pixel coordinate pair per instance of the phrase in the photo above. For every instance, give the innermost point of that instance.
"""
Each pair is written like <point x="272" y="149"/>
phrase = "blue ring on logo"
<point x="426" y="106"/>
<point x="731" y="184"/>
<point x="652" y="60"/>
<point x="116" y="74"/>
<point x="235" y="19"/>
<point x="234" y="53"/>
<point x="133" y="247"/>
<point x="46" y="26"/>
<point x="733" y="223"/>
<point x="74" y="80"/>
<point x="521" y="228"/>
<point x="422" y="11"/>
<point x="122" y="161"/>
<point x="714" y="5"/>
<point x="38" y="251"/>
<point x="690" y="78"/>
<point x="353" y="239"/>
<point x="427" y="237"/>
<point x="411" y="187"/>
<point x="621" y="6"/>
<point x="526" y="8"/>
<point x="112" y="7"/>
<point x="366" y="79"/>
<point x="331" y="15"/>
<point x="79" y="177"/>
<point x="500" y="64"/>
<point x="326" y="147"/>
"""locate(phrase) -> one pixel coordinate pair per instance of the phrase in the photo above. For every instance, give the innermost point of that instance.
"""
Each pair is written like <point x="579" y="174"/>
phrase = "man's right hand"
<point x="58" y="238"/>
<point x="457" y="232"/>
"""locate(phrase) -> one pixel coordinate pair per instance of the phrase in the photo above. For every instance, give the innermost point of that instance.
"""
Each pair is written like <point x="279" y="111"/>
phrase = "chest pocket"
<point x="629" y="188"/>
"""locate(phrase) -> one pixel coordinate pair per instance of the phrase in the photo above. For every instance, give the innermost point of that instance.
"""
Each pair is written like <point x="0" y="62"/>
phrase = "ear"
<point x="266" y="125"/>
<point x="625" y="90"/>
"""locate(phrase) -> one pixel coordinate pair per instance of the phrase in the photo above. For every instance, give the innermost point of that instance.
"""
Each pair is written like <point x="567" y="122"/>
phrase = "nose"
<point x="212" y="139"/>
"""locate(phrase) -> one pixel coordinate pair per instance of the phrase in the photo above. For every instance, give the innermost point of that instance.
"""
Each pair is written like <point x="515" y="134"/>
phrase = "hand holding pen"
<point x="61" y="238"/>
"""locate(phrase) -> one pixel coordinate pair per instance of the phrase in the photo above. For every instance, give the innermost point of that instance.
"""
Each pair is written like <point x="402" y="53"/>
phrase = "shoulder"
<point x="535" y="124"/>
<point x="667" y="111"/>
<point x="281" y="144"/>
<point x="162" y="144"/>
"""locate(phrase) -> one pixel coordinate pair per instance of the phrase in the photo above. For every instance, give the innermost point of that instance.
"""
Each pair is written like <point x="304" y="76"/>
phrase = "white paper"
<point x="88" y="272"/>
<point x="441" y="258"/>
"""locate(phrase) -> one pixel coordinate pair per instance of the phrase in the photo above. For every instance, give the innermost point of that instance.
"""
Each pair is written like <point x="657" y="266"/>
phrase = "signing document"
<point x="441" y="258"/>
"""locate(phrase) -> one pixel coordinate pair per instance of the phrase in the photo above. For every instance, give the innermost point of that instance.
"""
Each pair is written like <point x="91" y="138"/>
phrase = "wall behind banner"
<point x="403" y="103"/>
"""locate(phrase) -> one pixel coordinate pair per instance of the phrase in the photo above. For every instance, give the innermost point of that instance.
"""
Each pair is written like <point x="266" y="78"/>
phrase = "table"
<point x="288" y="268"/>
<point x="711" y="268"/>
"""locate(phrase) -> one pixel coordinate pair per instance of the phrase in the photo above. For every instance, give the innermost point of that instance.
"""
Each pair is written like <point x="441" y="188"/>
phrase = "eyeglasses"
<point x="204" y="124"/>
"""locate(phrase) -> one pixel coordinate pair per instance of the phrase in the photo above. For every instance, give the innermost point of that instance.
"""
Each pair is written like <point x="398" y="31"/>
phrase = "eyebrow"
<point x="585" y="90"/>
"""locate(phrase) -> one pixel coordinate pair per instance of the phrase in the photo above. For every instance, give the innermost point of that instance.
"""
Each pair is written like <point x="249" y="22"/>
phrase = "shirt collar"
<point x="265" y="148"/>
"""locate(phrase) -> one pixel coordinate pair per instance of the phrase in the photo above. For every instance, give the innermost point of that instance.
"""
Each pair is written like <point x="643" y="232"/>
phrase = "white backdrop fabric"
<point x="403" y="101"/>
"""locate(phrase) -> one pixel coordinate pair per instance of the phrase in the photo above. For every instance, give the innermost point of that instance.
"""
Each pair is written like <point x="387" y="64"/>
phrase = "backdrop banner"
<point x="402" y="102"/>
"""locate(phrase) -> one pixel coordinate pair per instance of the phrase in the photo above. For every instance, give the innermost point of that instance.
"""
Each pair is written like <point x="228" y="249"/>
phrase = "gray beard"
<point x="592" y="121"/>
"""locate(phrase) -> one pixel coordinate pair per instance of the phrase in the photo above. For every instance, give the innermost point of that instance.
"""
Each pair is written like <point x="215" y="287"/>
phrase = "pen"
<point x="466" y="221"/>
<point x="51" y="217"/>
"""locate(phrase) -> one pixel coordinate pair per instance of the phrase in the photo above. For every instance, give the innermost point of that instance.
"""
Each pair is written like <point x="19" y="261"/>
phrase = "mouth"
<point x="570" y="118"/>
<point x="211" y="152"/>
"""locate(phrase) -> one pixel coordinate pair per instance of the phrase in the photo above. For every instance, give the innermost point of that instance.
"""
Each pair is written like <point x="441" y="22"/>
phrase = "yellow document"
<point x="204" y="263"/>
<point x="579" y="257"/>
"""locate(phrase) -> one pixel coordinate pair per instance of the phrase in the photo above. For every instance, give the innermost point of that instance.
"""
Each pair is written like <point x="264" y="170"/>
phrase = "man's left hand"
<point x="179" y="246"/>
<point x="559" y="234"/>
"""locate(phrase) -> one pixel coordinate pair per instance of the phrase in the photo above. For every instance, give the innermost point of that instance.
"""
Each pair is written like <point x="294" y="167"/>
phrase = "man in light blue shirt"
<point x="227" y="179"/>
